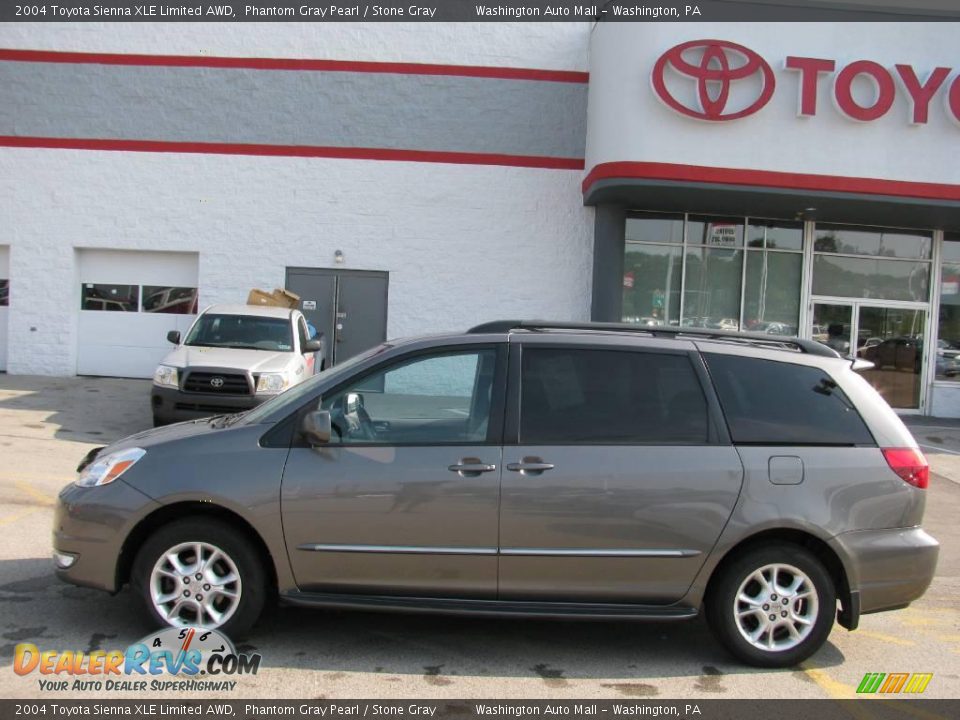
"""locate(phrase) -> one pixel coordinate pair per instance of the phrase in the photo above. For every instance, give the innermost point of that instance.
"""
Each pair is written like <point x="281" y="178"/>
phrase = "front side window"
<point x="767" y="402"/>
<point x="439" y="399"/>
<point x="244" y="332"/>
<point x="577" y="396"/>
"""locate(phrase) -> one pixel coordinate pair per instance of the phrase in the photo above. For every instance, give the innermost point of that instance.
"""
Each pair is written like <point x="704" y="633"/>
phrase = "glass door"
<point x="833" y="325"/>
<point x="889" y="336"/>
<point x="892" y="339"/>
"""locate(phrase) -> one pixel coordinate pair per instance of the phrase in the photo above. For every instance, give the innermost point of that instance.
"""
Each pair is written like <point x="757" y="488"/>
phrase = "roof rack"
<point x="811" y="347"/>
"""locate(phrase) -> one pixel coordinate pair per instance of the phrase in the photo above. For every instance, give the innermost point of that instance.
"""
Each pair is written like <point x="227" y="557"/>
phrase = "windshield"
<point x="292" y="398"/>
<point x="245" y="332"/>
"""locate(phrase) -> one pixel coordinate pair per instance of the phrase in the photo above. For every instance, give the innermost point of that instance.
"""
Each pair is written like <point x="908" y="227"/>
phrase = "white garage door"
<point x="129" y="300"/>
<point x="4" y="302"/>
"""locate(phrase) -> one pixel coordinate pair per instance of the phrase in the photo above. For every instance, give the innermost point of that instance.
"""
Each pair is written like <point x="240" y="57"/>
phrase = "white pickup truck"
<point x="233" y="358"/>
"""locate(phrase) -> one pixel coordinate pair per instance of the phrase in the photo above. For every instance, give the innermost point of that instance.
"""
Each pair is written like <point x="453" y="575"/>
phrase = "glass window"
<point x="771" y="297"/>
<point x="711" y="289"/>
<point x="572" y="396"/>
<point x="775" y="235"/>
<point x="715" y="232"/>
<point x="429" y="400"/>
<point x="871" y="278"/>
<point x="169" y="300"/>
<point x="948" y="328"/>
<point x="4" y="292"/>
<point x="110" y="298"/>
<point x="880" y="242"/>
<point x="776" y="403"/>
<point x="651" y="284"/>
<point x="654" y="227"/>
<point x="248" y="332"/>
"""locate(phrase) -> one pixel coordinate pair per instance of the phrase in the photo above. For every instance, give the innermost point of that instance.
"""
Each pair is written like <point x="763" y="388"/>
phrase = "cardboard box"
<point x="262" y="297"/>
<point x="285" y="298"/>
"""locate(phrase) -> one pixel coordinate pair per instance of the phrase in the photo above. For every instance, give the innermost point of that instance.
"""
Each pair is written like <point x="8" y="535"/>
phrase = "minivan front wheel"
<point x="202" y="573"/>
<point x="773" y="606"/>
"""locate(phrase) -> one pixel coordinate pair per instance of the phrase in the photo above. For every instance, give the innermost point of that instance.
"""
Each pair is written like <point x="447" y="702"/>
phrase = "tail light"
<point x="909" y="464"/>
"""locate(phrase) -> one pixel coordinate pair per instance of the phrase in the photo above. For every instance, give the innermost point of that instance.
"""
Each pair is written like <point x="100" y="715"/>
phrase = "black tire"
<point x="253" y="580"/>
<point x="722" y="606"/>
<point x="159" y="421"/>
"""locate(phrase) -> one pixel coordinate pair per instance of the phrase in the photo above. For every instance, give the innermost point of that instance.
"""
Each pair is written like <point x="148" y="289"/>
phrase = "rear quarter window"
<point x="766" y="402"/>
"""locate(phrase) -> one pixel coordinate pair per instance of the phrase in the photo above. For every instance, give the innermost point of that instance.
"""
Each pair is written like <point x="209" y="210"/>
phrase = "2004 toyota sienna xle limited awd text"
<point x="521" y="469"/>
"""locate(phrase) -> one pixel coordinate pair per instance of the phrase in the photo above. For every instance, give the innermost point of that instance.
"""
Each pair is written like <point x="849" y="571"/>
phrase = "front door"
<point x="404" y="499"/>
<point x="618" y="487"/>
<point x="348" y="306"/>
<point x="891" y="336"/>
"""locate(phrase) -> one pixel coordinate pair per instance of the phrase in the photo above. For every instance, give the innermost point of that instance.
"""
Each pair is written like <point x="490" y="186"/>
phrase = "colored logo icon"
<point x="712" y="69"/>
<point x="894" y="683"/>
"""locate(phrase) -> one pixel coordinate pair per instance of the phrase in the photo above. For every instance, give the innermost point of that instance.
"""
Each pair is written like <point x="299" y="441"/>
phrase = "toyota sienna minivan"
<point x="528" y="469"/>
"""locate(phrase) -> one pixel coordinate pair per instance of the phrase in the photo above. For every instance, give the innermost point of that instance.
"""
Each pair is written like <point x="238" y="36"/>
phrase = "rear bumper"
<point x="889" y="568"/>
<point x="171" y="405"/>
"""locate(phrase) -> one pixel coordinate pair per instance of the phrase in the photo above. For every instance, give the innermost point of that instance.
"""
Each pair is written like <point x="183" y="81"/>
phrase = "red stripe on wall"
<point x="307" y="151"/>
<point x="499" y="73"/>
<point x="770" y="179"/>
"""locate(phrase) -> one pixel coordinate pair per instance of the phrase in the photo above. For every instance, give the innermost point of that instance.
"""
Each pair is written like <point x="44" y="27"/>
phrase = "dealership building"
<point x="413" y="178"/>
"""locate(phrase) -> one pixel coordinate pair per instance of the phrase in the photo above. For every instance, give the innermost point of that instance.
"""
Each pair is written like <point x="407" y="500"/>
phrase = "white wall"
<point x="542" y="45"/>
<point x="462" y="244"/>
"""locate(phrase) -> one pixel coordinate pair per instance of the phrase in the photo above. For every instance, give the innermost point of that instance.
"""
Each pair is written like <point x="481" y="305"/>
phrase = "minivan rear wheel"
<point x="202" y="573"/>
<point x="773" y="606"/>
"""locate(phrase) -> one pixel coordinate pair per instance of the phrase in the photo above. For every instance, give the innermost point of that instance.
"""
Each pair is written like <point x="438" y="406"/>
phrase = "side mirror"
<point x="312" y="346"/>
<point x="174" y="337"/>
<point x="316" y="427"/>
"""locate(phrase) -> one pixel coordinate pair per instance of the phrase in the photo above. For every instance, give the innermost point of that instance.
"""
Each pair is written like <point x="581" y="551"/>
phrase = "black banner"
<point x="872" y="708"/>
<point x="473" y="11"/>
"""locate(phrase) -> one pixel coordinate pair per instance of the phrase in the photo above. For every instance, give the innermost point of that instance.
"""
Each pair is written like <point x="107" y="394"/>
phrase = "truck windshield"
<point x="245" y="332"/>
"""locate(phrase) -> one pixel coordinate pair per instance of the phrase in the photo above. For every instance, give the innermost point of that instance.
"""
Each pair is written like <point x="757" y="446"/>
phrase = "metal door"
<point x="348" y="306"/>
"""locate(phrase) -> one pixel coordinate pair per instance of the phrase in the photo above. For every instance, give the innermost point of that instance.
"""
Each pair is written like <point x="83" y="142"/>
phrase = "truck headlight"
<point x="108" y="468"/>
<point x="166" y="376"/>
<point x="272" y="383"/>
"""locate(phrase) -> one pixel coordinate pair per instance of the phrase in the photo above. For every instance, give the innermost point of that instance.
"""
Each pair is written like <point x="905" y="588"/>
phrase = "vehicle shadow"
<point x="40" y="609"/>
<point x="78" y="409"/>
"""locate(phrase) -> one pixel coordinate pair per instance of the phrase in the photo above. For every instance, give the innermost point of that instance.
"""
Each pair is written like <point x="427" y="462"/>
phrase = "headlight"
<point x="166" y="376"/>
<point x="272" y="383"/>
<point x="108" y="468"/>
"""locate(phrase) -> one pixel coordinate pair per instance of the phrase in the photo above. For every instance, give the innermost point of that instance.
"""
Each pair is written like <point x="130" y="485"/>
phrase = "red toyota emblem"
<point x="720" y="63"/>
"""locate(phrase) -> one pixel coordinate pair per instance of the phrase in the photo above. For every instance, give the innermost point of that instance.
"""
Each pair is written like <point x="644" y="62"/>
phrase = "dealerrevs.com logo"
<point x="719" y="80"/>
<point x="711" y="75"/>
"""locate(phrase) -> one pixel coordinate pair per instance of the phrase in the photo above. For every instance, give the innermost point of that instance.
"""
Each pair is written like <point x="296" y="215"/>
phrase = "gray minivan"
<point x="528" y="469"/>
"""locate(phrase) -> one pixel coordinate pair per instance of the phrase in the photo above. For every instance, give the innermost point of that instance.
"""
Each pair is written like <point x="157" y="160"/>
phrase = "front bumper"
<point x="172" y="405"/>
<point x="888" y="568"/>
<point x="91" y="525"/>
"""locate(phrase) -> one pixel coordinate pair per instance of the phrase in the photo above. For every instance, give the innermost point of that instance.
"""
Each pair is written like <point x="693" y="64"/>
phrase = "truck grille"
<point x="216" y="383"/>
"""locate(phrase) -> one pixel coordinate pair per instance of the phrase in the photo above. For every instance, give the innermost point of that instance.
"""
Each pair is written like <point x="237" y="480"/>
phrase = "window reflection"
<point x="872" y="241"/>
<point x="170" y="300"/>
<point x="711" y="291"/>
<point x="871" y="278"/>
<point x="947" y="356"/>
<point x="771" y="298"/>
<point x="110" y="298"/>
<point x="651" y="284"/>
<point x="4" y="292"/>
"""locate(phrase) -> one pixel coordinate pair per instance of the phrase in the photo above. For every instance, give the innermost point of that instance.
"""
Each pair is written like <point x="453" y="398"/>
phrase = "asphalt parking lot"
<point x="48" y="424"/>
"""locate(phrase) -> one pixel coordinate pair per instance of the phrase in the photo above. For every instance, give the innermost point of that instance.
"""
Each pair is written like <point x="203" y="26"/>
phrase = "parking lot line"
<point x="47" y="500"/>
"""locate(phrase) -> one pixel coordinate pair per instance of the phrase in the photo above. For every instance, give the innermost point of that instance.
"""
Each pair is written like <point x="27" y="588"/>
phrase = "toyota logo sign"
<point x="216" y="382"/>
<point x="710" y="69"/>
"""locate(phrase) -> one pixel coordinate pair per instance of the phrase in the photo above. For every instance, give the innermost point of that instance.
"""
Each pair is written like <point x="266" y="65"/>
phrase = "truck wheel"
<point x="773" y="606"/>
<point x="202" y="573"/>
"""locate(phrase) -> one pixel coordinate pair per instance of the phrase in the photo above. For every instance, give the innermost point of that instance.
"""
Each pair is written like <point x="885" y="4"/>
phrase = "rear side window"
<point x="570" y="396"/>
<point x="776" y="403"/>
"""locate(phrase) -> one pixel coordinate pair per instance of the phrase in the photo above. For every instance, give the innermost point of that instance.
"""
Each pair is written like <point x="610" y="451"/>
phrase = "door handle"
<point x="530" y="466"/>
<point x="471" y="467"/>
